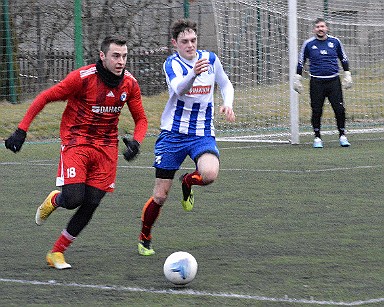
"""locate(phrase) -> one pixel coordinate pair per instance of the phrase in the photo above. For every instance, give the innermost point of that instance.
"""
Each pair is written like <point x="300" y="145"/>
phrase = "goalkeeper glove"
<point x="297" y="85"/>
<point x="347" y="82"/>
<point x="16" y="140"/>
<point x="132" y="149"/>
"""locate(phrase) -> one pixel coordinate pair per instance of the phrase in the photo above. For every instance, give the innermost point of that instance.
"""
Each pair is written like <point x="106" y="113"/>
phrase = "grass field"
<point x="283" y="225"/>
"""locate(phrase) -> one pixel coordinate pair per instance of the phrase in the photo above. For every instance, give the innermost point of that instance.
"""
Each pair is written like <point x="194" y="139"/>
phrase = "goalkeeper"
<point x="324" y="52"/>
<point x="95" y="95"/>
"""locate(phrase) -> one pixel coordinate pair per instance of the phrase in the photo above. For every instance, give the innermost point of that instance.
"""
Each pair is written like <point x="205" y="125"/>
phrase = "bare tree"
<point x="131" y="19"/>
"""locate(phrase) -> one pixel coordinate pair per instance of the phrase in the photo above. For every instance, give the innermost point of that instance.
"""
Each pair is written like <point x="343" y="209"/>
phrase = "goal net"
<point x="253" y="44"/>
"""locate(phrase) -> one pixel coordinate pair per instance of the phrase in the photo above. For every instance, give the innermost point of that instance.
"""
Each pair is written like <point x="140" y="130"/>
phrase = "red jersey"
<point x="93" y="108"/>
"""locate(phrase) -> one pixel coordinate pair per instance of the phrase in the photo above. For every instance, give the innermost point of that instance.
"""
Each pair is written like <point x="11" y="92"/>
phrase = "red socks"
<point x="193" y="179"/>
<point x="151" y="209"/>
<point x="63" y="242"/>
<point x="53" y="200"/>
<point x="149" y="215"/>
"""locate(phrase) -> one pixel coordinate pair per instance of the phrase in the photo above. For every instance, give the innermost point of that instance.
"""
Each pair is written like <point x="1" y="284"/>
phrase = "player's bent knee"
<point x="209" y="176"/>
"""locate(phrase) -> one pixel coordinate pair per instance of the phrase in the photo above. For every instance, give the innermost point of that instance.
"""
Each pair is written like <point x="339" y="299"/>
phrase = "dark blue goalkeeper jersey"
<point x="323" y="57"/>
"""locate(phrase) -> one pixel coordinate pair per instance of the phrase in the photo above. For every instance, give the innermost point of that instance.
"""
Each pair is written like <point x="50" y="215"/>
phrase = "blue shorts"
<point x="172" y="148"/>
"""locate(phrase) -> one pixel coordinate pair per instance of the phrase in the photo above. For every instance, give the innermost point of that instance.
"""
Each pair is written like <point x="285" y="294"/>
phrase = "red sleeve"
<point x="136" y="108"/>
<point x="58" y="92"/>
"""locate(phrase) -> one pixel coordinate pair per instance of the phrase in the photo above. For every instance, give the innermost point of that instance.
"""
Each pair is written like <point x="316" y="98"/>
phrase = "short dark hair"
<point x="181" y="25"/>
<point x="320" y="19"/>
<point x="118" y="40"/>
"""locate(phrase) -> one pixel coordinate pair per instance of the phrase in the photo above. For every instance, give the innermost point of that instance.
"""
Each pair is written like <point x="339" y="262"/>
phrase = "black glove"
<point x="16" y="140"/>
<point x="132" y="149"/>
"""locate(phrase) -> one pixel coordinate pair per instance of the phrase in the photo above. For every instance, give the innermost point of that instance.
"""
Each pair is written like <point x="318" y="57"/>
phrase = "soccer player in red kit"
<point x="95" y="96"/>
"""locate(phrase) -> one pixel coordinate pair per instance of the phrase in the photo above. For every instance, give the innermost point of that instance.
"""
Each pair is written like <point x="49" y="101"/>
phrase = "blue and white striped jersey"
<point x="324" y="56"/>
<point x="190" y="107"/>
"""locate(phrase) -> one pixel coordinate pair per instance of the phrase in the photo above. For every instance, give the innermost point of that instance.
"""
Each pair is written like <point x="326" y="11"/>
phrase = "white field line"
<point x="190" y="292"/>
<point x="38" y="163"/>
<point x="268" y="138"/>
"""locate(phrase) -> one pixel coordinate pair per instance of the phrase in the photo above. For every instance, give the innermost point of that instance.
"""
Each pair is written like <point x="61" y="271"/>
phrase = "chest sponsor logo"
<point x="323" y="52"/>
<point x="106" y="109"/>
<point x="199" y="90"/>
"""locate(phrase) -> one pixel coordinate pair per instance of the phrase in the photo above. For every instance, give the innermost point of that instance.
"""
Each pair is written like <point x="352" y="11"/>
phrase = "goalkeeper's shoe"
<point x="344" y="141"/>
<point x="144" y="248"/>
<point x="188" y="200"/>
<point x="46" y="208"/>
<point x="56" y="260"/>
<point x="317" y="143"/>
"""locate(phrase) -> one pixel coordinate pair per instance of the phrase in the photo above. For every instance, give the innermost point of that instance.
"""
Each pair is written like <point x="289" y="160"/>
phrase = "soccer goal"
<point x="258" y="41"/>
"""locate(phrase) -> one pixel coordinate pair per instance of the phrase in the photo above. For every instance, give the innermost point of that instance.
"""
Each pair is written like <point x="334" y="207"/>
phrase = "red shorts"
<point x="90" y="164"/>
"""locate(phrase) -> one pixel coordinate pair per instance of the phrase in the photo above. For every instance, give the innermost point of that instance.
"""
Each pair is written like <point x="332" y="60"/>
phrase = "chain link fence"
<point x="38" y="39"/>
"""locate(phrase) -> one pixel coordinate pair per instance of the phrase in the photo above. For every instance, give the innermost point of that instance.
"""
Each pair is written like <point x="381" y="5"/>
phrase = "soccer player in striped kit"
<point x="187" y="127"/>
<point x="324" y="52"/>
<point x="95" y="96"/>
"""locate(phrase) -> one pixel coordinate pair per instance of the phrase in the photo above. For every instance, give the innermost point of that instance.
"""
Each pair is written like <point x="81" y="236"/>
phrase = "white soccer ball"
<point x="180" y="268"/>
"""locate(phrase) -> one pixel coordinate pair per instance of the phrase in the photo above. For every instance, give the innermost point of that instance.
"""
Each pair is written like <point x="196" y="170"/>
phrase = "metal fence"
<point x="38" y="44"/>
<point x="37" y="72"/>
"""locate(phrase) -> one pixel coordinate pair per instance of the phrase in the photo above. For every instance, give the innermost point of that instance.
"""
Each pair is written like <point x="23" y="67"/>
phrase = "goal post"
<point x="293" y="49"/>
<point x="258" y="42"/>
